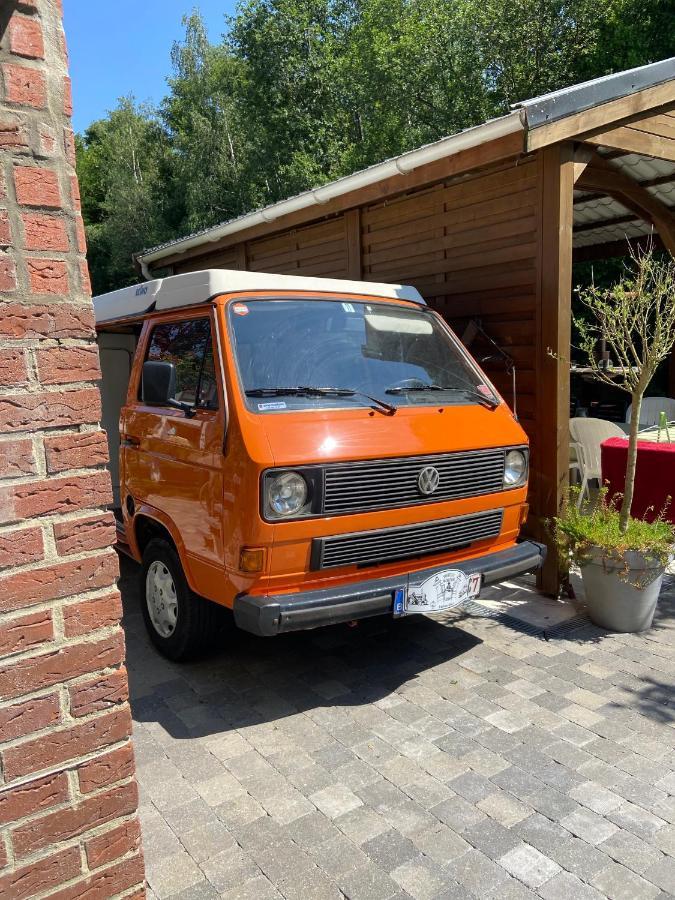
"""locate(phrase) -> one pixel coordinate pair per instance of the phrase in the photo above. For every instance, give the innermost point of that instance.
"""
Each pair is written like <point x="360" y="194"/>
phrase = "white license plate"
<point x="443" y="590"/>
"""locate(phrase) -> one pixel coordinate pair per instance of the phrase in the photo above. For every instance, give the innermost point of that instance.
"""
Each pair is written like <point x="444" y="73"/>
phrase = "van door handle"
<point x="129" y="440"/>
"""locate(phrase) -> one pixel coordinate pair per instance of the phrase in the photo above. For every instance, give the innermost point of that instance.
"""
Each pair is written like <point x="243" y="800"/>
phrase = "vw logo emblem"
<point x="427" y="480"/>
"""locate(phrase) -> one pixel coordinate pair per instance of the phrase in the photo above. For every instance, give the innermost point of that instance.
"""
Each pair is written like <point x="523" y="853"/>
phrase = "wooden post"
<point x="554" y="289"/>
<point x="352" y="220"/>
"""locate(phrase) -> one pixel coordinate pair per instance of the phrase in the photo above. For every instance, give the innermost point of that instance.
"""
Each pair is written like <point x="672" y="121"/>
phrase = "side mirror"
<point x="159" y="382"/>
<point x="159" y="387"/>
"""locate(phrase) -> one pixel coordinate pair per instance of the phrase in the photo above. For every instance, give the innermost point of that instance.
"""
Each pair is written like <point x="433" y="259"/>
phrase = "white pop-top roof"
<point x="199" y="287"/>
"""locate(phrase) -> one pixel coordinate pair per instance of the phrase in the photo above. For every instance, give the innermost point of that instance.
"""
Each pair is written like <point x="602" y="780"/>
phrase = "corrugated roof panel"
<point x="609" y="233"/>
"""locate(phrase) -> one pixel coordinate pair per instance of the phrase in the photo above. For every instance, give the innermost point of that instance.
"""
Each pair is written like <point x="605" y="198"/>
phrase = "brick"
<point x="25" y="37"/>
<point x="21" y="546"/>
<point x="119" y="841"/>
<point x="75" y="193"/>
<point x="81" y="235"/>
<point x="19" y="590"/>
<point x="26" y="632"/>
<point x="85" y="616"/>
<point x="67" y="96"/>
<point x="24" y="675"/>
<point x="25" y="85"/>
<point x="54" y="495"/>
<point x="22" y="719"/>
<point x="12" y="134"/>
<point x="12" y="367"/>
<point x="44" y="232"/>
<point x="76" y="450"/>
<point x="3" y="854"/>
<point x="85" y="280"/>
<point x="55" y="320"/>
<point x="62" y="365"/>
<point x="7" y="273"/>
<point x="48" y="276"/>
<point x="109" y="882"/>
<point x="16" y="458"/>
<point x="116" y="765"/>
<point x="37" y="186"/>
<point x="80" y="535"/>
<point x="29" y="412"/>
<point x="38" y="877"/>
<point x="5" y="228"/>
<point x="34" y="797"/>
<point x="99" y="693"/>
<point x="68" y="744"/>
<point x="66" y="824"/>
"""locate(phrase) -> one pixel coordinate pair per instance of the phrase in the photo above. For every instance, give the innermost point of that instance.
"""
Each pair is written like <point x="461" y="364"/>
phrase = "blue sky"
<point x="120" y="47"/>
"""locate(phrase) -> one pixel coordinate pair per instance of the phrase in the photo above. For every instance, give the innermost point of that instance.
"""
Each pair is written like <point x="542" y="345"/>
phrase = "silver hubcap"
<point x="160" y="595"/>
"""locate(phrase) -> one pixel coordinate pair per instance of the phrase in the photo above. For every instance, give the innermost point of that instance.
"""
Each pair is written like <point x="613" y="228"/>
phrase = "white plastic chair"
<point x="587" y="435"/>
<point x="650" y="409"/>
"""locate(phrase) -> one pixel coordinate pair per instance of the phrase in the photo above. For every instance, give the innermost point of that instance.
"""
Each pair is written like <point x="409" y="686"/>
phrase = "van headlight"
<point x="515" y="468"/>
<point x="285" y="494"/>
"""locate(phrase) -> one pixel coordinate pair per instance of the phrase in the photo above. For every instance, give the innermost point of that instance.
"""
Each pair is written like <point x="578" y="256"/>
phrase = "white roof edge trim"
<point x="194" y="288"/>
<point x="399" y="165"/>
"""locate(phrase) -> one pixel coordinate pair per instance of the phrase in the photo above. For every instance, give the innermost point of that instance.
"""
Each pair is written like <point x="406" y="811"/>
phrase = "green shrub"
<point x="597" y="526"/>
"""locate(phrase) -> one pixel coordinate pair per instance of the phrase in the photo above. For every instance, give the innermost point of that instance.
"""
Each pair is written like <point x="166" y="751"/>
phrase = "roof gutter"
<point x="399" y="165"/>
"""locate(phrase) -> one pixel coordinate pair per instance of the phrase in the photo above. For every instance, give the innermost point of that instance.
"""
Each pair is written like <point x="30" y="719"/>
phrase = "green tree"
<point x="209" y="132"/>
<point x="124" y="184"/>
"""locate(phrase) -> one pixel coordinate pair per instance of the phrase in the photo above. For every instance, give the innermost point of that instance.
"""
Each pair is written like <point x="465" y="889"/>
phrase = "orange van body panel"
<point x="200" y="477"/>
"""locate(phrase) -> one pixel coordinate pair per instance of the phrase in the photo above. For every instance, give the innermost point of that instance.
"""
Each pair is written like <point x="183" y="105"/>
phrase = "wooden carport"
<point x="486" y="224"/>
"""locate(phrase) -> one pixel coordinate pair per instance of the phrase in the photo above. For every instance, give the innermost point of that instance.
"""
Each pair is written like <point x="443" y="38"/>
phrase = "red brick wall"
<point x="68" y="824"/>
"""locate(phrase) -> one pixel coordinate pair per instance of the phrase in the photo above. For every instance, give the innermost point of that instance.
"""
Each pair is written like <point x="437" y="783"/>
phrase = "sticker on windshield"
<point x="348" y="307"/>
<point x="278" y="404"/>
<point x="240" y="309"/>
<point x="485" y="390"/>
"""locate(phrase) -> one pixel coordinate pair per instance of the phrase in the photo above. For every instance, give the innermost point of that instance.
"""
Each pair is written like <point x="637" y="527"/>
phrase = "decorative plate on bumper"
<point x="443" y="590"/>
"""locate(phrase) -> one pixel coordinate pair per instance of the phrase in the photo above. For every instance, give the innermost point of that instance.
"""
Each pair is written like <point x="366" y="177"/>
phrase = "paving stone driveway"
<point x="422" y="758"/>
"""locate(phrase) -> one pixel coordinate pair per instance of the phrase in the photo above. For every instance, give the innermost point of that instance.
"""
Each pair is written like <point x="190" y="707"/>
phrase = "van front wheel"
<point x="180" y="624"/>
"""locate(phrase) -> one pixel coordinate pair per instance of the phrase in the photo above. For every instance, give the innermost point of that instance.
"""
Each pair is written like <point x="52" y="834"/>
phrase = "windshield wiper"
<point x="308" y="391"/>
<point x="416" y="388"/>
<point x="485" y="400"/>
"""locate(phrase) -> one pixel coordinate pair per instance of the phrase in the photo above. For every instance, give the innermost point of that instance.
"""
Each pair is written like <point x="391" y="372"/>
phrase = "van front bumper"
<point x="268" y="615"/>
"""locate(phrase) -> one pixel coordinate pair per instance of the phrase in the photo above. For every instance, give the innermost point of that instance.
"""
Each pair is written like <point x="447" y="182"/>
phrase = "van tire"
<point x="196" y="623"/>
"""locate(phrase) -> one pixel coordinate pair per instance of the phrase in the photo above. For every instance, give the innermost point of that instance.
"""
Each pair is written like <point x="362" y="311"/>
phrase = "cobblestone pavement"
<point x="420" y="758"/>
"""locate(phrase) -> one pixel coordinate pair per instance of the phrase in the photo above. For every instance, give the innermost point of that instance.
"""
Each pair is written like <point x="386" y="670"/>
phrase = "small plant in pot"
<point x="623" y="559"/>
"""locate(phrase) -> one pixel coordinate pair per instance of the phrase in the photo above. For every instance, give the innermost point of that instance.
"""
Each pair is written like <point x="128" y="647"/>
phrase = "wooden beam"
<point x="582" y="157"/>
<point x="631" y="140"/>
<point x="641" y="105"/>
<point x="603" y="176"/>
<point x="554" y="299"/>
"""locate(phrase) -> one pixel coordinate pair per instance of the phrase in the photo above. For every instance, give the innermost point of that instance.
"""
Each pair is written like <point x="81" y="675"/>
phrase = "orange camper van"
<point x="302" y="451"/>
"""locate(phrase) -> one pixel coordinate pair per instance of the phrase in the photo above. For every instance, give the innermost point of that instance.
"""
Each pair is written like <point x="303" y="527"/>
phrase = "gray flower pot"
<point x="621" y="601"/>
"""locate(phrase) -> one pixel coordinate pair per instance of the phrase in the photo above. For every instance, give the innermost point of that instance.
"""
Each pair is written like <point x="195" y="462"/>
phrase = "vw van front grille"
<point x="388" y="544"/>
<point x="389" y="483"/>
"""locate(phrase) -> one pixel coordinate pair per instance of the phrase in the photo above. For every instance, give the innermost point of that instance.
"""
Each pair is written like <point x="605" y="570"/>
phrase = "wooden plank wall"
<point x="470" y="249"/>
<point x="316" y="250"/>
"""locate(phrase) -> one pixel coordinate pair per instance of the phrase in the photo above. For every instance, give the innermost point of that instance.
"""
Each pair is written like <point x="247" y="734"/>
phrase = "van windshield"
<point x="304" y="354"/>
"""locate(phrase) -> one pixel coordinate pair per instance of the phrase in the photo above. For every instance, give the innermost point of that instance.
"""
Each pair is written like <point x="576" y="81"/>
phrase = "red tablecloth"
<point x="654" y="475"/>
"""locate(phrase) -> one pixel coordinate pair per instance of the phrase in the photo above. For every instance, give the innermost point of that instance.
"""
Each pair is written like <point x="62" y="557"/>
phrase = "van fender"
<point x="149" y="512"/>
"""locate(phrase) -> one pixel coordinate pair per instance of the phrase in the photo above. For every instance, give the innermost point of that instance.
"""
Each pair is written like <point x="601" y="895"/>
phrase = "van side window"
<point x="189" y="347"/>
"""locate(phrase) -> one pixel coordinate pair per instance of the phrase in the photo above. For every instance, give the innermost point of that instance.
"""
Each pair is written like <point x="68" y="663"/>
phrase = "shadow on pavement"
<point x="257" y="680"/>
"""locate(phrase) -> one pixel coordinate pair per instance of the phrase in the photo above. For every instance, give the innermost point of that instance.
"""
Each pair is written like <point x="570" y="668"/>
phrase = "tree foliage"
<point x="299" y="92"/>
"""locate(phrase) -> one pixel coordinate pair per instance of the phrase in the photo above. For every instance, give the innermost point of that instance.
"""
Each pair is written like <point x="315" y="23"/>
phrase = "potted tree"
<point x="623" y="559"/>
